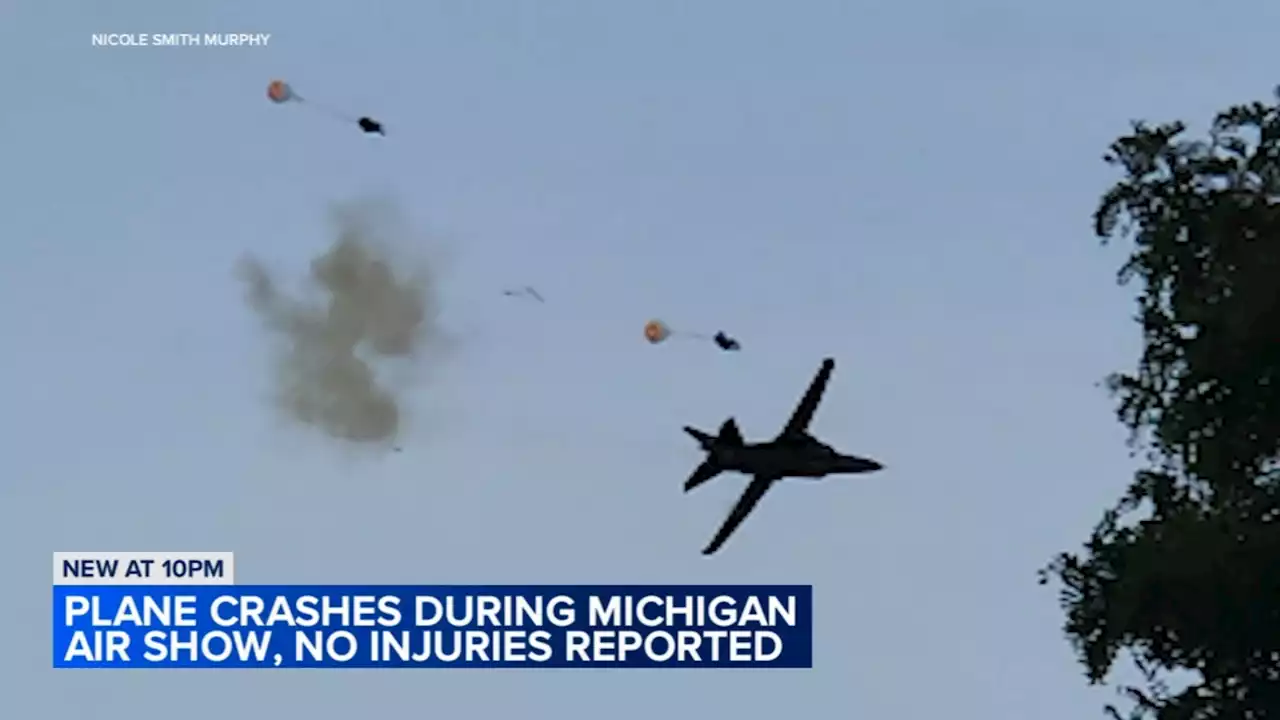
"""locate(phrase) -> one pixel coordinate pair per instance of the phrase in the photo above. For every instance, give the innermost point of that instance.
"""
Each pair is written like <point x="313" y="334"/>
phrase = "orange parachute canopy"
<point x="280" y="92"/>
<point x="655" y="331"/>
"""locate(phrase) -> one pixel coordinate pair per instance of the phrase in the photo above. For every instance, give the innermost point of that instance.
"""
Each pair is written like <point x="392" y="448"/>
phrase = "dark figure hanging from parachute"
<point x="280" y="92"/>
<point x="725" y="342"/>
<point x="656" y="331"/>
<point x="369" y="125"/>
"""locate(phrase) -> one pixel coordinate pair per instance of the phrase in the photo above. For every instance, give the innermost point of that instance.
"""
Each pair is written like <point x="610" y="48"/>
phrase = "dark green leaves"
<point x="1184" y="572"/>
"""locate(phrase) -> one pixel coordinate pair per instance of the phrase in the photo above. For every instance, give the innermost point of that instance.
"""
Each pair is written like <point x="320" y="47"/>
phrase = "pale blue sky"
<point x="904" y="186"/>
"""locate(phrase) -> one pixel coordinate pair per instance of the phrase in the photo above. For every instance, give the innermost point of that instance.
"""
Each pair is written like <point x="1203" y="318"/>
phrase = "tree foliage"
<point x="1183" y="573"/>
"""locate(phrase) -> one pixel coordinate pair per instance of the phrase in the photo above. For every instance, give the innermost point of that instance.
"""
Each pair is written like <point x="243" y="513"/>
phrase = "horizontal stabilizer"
<point x="729" y="436"/>
<point x="704" y="472"/>
<point x="706" y="440"/>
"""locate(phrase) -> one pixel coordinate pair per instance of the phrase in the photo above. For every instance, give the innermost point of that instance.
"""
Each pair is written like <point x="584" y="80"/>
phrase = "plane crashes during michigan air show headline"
<point x="372" y="629"/>
<point x="180" y="39"/>
<point x="243" y="610"/>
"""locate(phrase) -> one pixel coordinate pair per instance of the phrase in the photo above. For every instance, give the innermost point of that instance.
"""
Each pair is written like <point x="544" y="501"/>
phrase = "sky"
<point x="906" y="187"/>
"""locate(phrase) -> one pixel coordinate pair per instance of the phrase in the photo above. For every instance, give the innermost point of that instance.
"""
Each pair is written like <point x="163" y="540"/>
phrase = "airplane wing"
<point x="756" y="490"/>
<point x="800" y="419"/>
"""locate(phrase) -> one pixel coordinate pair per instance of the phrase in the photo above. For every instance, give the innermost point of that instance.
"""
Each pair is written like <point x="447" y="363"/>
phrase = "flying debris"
<point x="526" y="291"/>
<point x="657" y="331"/>
<point x="793" y="453"/>
<point x="281" y="92"/>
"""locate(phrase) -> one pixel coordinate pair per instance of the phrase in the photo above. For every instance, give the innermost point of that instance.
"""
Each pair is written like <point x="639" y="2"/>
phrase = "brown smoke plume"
<point x="366" y="313"/>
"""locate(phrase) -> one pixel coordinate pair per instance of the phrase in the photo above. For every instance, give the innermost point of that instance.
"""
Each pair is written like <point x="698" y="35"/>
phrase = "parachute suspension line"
<point x="331" y="112"/>
<point x="280" y="92"/>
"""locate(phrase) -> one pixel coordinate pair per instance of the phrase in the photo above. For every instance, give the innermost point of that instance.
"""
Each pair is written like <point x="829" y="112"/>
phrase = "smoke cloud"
<point x="362" y="311"/>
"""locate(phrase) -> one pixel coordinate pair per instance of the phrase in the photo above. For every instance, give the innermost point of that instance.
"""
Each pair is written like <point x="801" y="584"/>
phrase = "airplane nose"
<point x="861" y="465"/>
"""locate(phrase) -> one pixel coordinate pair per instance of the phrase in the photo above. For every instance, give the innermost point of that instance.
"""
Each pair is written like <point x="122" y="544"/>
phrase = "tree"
<point x="1183" y="573"/>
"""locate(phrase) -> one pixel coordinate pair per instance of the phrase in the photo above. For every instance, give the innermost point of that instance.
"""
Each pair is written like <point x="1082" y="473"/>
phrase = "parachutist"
<point x="280" y="92"/>
<point x="725" y="342"/>
<point x="656" y="331"/>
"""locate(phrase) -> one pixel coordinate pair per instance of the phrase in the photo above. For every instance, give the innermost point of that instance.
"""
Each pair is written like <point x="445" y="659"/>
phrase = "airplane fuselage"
<point x="811" y="460"/>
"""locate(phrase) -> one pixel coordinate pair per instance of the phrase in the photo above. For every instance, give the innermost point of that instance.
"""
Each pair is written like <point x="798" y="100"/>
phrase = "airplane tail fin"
<point x="729" y="435"/>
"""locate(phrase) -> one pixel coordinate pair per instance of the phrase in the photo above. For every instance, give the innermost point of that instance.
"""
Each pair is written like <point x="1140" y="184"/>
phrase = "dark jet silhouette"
<point x="793" y="453"/>
<point x="371" y="126"/>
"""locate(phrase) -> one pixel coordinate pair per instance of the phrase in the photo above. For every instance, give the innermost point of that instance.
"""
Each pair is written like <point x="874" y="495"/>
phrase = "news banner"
<point x="184" y="610"/>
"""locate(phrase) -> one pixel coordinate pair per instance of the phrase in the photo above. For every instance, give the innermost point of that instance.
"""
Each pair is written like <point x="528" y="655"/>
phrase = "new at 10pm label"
<point x="143" y="568"/>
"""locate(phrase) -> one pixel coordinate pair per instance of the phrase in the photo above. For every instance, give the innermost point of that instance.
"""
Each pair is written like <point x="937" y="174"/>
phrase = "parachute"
<point x="281" y="92"/>
<point x="657" y="331"/>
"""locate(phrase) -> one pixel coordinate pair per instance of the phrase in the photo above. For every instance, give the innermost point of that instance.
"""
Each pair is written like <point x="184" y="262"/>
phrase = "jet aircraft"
<point x="794" y="453"/>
